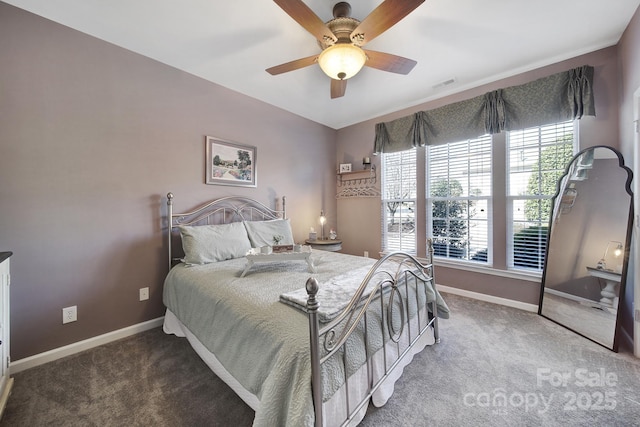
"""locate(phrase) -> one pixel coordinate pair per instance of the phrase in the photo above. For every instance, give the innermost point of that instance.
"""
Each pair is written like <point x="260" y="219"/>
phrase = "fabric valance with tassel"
<point x="557" y="98"/>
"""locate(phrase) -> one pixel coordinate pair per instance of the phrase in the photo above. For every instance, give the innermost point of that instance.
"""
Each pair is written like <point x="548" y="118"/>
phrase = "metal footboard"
<point x="397" y="292"/>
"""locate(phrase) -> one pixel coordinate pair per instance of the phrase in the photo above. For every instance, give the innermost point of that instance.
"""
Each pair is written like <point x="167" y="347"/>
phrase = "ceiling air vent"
<point x="445" y="83"/>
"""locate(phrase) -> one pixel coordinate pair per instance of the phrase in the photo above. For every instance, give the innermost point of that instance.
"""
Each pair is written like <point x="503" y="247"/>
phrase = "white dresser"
<point x="6" y="382"/>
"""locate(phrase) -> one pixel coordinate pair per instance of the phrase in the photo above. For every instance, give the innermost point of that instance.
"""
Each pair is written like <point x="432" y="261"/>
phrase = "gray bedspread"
<point x="334" y="295"/>
<point x="262" y="342"/>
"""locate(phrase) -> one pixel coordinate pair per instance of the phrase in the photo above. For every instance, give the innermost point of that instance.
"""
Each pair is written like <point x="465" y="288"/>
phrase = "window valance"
<point x="559" y="97"/>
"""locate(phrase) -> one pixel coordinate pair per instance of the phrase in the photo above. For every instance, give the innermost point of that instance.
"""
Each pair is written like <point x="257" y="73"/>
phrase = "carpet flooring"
<point x="495" y="366"/>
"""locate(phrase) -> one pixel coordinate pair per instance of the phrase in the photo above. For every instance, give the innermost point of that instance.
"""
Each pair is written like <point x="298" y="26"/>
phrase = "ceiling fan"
<point x="341" y="40"/>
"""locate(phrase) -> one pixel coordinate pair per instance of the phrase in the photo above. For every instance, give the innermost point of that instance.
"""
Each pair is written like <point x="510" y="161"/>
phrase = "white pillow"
<point x="262" y="233"/>
<point x="203" y="244"/>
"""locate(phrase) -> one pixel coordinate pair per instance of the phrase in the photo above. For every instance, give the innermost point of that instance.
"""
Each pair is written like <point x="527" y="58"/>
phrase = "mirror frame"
<point x="627" y="246"/>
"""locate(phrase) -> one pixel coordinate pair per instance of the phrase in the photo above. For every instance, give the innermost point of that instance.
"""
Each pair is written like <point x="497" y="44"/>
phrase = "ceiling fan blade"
<point x="338" y="88"/>
<point x="388" y="62"/>
<point x="383" y="17"/>
<point x="293" y="65"/>
<point x="304" y="16"/>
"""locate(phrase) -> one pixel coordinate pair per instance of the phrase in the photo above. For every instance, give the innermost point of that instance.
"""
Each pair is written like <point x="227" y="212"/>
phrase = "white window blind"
<point x="459" y="185"/>
<point x="399" y="201"/>
<point x="537" y="158"/>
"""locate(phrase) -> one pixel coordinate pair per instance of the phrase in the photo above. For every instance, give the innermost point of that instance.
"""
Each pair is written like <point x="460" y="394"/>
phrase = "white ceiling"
<point x="232" y="42"/>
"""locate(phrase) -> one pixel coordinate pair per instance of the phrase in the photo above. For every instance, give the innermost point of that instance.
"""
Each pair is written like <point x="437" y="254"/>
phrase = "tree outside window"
<point x="529" y="244"/>
<point x="449" y="219"/>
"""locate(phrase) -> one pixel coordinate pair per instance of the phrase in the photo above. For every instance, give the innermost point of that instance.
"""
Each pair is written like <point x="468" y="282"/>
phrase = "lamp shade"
<point x="342" y="61"/>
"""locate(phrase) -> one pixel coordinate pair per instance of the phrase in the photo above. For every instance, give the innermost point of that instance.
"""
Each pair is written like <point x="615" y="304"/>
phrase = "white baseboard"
<point x="77" y="347"/>
<point x="571" y="297"/>
<point x="489" y="298"/>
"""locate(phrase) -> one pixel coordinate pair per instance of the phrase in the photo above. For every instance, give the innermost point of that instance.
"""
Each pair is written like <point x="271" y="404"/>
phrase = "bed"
<point x="300" y="348"/>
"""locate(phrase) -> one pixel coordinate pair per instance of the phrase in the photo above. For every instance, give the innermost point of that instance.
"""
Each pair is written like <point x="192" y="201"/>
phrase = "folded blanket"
<point x="336" y="293"/>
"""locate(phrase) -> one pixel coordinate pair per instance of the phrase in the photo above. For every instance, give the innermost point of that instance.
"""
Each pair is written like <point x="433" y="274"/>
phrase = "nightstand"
<point x="325" y="245"/>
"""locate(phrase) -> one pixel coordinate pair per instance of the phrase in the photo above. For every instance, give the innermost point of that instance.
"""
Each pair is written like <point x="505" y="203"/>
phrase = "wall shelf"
<point x="358" y="184"/>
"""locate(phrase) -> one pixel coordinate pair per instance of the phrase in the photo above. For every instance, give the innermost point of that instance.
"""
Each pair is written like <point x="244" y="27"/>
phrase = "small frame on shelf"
<point x="345" y="167"/>
<point x="365" y="176"/>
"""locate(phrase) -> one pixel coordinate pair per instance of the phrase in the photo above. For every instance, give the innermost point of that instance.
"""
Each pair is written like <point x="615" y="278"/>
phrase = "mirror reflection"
<point x="588" y="247"/>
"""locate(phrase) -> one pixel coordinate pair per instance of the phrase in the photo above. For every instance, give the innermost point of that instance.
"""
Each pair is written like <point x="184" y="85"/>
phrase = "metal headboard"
<point x="219" y="211"/>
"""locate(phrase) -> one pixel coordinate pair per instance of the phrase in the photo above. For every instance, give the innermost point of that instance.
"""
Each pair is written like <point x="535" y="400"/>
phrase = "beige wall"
<point x="356" y="141"/>
<point x="92" y="137"/>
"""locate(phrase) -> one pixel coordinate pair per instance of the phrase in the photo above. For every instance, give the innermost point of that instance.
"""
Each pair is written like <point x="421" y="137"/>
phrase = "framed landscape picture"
<point x="229" y="163"/>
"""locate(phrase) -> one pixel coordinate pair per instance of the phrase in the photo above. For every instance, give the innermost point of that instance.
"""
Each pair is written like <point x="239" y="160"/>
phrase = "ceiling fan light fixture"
<point x="342" y="60"/>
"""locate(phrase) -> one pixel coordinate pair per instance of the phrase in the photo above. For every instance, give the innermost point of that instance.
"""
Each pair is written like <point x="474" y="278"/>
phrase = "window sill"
<point x="477" y="268"/>
<point x="529" y="276"/>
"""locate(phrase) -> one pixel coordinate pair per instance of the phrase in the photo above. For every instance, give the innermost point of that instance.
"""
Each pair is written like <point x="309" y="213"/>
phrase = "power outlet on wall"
<point x="144" y="294"/>
<point x="69" y="314"/>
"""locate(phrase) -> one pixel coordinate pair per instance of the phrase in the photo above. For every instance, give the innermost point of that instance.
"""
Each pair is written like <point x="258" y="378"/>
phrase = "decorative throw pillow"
<point x="269" y="233"/>
<point x="204" y="244"/>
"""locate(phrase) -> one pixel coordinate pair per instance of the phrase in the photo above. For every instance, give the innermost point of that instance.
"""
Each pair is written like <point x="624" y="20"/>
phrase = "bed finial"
<point x="312" y="286"/>
<point x="170" y="226"/>
<point x="314" y="343"/>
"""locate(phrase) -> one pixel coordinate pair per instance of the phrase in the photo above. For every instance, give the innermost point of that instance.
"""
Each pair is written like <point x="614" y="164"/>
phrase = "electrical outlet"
<point x="69" y="314"/>
<point x="144" y="294"/>
<point x="366" y="254"/>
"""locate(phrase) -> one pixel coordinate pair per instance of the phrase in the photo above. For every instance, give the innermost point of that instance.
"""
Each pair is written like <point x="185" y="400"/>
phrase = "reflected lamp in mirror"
<point x="611" y="261"/>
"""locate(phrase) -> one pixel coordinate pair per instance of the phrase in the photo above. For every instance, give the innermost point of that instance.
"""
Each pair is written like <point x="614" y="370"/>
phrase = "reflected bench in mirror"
<point x="588" y="246"/>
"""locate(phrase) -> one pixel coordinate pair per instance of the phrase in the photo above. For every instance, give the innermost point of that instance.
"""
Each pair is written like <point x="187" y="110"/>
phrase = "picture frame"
<point x="345" y="167"/>
<point x="230" y="163"/>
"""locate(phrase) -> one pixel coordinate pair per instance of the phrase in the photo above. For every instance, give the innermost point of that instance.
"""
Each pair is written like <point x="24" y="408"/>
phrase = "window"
<point x="466" y="183"/>
<point x="459" y="186"/>
<point x="537" y="158"/>
<point x="399" y="201"/>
